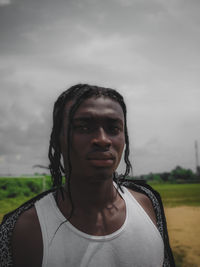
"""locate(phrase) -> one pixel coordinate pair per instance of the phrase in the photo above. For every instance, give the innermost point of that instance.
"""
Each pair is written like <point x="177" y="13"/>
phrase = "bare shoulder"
<point x="27" y="244"/>
<point x="145" y="202"/>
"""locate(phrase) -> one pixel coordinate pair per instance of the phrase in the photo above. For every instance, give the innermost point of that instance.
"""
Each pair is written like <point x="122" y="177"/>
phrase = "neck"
<point x="91" y="195"/>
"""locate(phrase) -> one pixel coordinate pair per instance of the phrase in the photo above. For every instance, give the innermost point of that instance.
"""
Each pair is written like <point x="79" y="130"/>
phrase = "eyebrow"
<point x="92" y="118"/>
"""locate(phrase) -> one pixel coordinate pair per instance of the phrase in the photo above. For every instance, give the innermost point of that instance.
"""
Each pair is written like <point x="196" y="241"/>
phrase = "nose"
<point x="101" y="139"/>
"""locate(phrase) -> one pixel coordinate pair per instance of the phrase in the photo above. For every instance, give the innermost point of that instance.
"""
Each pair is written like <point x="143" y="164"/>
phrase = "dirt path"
<point x="184" y="232"/>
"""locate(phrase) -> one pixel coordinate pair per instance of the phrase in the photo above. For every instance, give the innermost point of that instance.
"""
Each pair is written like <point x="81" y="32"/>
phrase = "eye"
<point x="114" y="129"/>
<point x="82" y="128"/>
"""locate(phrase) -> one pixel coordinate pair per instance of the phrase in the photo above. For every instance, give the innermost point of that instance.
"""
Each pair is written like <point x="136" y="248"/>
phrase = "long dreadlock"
<point x="79" y="93"/>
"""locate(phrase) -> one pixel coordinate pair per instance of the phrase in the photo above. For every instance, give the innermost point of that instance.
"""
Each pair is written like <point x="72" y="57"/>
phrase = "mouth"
<point x="100" y="160"/>
<point x="103" y="162"/>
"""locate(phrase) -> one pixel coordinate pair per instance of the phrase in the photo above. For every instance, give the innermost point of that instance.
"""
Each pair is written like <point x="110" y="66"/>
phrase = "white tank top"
<point x="137" y="243"/>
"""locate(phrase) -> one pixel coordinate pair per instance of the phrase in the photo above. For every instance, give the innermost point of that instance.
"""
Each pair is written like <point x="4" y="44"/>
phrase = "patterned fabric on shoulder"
<point x="7" y="227"/>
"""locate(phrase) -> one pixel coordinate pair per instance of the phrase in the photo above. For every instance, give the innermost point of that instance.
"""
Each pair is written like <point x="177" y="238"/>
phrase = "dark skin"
<point x="97" y="143"/>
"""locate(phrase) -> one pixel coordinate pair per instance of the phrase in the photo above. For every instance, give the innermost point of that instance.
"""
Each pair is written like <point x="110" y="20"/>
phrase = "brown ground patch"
<point x="184" y="233"/>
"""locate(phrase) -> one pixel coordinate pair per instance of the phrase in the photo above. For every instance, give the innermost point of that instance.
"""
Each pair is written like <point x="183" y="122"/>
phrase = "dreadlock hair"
<point x="79" y="93"/>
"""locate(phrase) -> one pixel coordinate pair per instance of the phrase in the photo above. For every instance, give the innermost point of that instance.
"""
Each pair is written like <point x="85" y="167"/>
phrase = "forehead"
<point x="97" y="107"/>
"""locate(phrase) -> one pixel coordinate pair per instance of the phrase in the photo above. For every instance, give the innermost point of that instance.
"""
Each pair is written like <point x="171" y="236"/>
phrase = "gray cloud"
<point x="5" y="2"/>
<point x="149" y="50"/>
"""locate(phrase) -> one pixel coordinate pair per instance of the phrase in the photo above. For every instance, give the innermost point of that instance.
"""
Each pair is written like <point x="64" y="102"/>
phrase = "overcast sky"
<point x="147" y="49"/>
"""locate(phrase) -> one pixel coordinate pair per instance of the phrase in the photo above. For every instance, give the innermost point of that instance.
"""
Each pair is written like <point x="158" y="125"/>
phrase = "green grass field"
<point x="179" y="194"/>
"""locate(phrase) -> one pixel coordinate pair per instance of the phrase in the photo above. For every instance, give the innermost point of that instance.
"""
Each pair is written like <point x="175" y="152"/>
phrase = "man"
<point x="97" y="218"/>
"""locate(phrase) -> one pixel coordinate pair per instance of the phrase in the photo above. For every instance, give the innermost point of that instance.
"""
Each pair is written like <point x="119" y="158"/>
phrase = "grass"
<point x="16" y="191"/>
<point x="180" y="258"/>
<point x="179" y="194"/>
<point x="22" y="186"/>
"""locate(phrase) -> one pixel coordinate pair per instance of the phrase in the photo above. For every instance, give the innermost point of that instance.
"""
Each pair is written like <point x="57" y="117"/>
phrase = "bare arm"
<point x="27" y="246"/>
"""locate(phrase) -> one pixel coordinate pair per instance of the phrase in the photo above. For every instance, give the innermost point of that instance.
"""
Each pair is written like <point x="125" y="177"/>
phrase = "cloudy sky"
<point x="147" y="49"/>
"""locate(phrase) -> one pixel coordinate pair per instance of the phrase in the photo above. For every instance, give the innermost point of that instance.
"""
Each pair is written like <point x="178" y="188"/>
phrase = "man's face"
<point x="97" y="138"/>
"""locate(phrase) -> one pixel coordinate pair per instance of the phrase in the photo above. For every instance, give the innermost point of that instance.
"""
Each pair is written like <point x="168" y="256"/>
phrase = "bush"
<point x="14" y="187"/>
<point x="14" y="191"/>
<point x="34" y="186"/>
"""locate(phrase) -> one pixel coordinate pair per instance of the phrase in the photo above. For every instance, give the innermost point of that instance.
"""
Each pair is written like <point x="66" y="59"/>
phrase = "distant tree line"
<point x="177" y="175"/>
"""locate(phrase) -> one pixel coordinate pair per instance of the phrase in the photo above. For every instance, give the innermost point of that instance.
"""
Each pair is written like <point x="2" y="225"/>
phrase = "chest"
<point x="131" y="245"/>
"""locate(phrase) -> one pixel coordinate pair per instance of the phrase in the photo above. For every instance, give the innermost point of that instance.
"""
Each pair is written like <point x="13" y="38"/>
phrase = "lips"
<point x="100" y="156"/>
<point x="101" y="159"/>
<point x="101" y="162"/>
